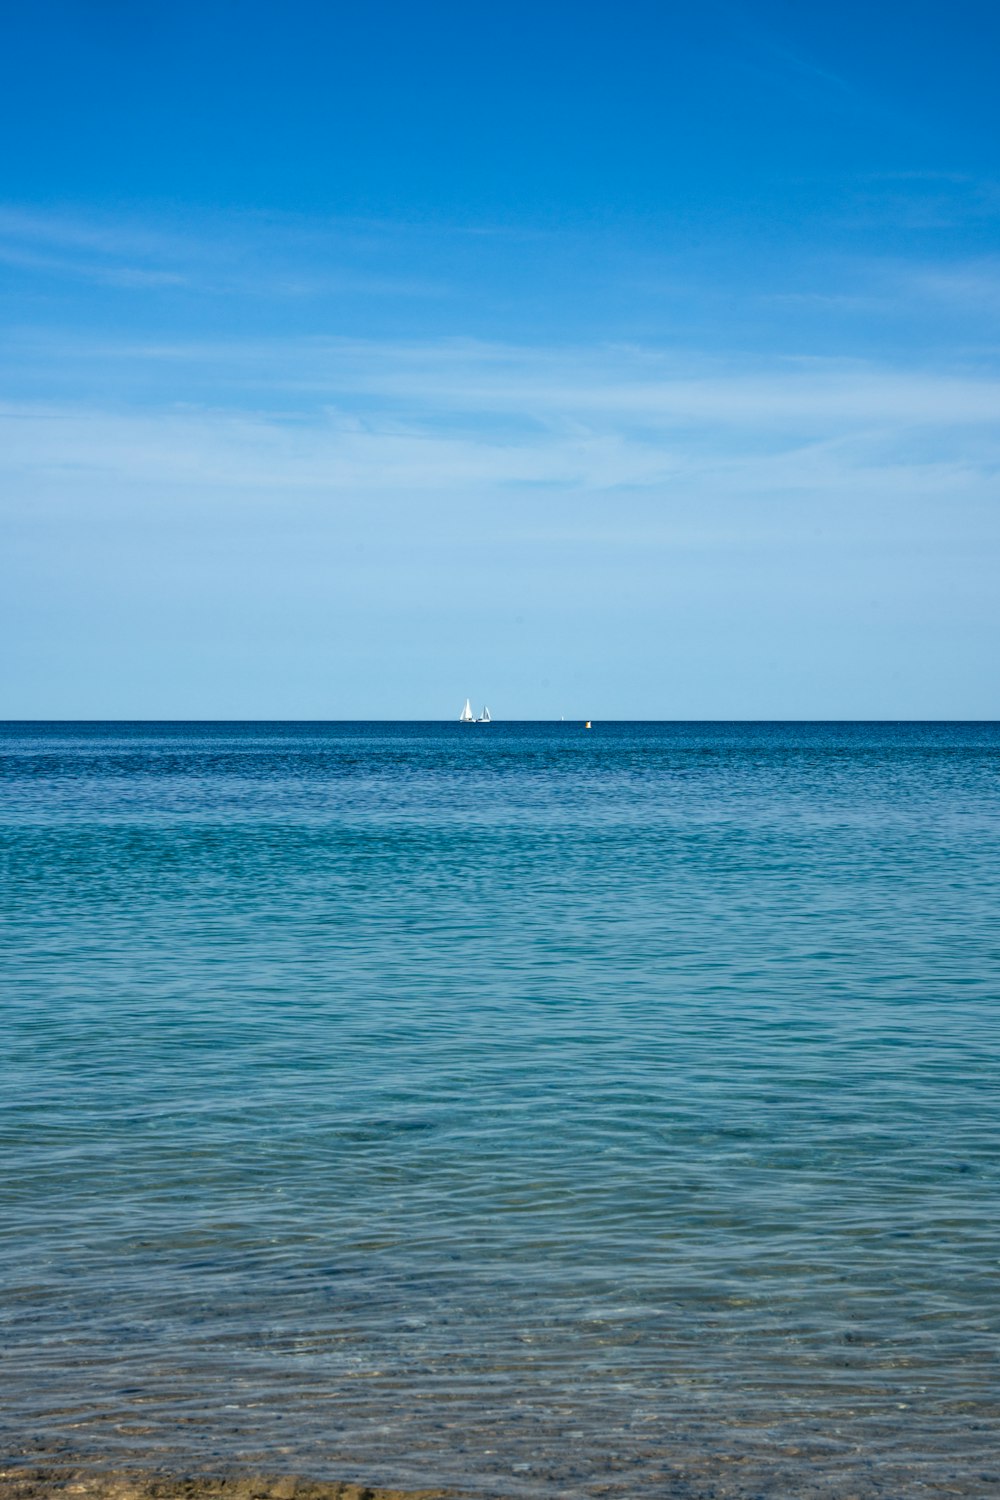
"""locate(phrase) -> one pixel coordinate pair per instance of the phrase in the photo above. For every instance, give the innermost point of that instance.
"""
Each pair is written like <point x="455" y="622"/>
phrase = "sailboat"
<point x="467" y="716"/>
<point x="484" y="717"/>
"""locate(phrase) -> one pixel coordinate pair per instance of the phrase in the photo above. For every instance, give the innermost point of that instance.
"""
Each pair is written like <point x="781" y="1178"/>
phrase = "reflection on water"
<point x="520" y="1108"/>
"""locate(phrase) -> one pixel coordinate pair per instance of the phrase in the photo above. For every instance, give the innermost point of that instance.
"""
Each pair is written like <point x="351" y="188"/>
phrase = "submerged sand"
<point x="41" y="1484"/>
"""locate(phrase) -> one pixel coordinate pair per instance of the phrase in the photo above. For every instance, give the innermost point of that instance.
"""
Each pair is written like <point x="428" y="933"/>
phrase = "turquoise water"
<point x="538" y="1111"/>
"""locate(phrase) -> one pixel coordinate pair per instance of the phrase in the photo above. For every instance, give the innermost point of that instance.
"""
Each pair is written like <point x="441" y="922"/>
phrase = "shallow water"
<point x="534" y="1110"/>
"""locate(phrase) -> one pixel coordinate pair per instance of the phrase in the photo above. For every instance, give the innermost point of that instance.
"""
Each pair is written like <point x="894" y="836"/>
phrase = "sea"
<point x="523" y="1109"/>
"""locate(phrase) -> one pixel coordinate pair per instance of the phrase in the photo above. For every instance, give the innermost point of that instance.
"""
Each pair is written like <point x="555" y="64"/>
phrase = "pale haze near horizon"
<point x="593" y="361"/>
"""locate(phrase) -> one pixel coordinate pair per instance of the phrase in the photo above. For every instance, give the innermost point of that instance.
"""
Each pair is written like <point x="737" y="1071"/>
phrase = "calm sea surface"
<point x="540" y="1111"/>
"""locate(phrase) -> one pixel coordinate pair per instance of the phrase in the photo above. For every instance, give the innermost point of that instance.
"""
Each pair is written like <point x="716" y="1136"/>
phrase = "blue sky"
<point x="634" y="360"/>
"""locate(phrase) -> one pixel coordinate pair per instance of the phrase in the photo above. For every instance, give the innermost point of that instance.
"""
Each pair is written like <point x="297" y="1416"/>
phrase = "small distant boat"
<point x="587" y="725"/>
<point x="467" y="716"/>
<point x="484" y="717"/>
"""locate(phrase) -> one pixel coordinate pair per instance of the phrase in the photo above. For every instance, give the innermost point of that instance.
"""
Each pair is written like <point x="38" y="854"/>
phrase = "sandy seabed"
<point x="41" y="1484"/>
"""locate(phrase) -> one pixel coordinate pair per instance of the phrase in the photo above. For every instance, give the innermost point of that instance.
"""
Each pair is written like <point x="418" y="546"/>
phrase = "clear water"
<point x="533" y="1110"/>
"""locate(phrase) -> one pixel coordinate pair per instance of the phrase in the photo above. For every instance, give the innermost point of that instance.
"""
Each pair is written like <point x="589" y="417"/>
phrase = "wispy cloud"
<point x="246" y="255"/>
<point x="107" y="273"/>
<point x="973" y="284"/>
<point x="622" y="385"/>
<point x="917" y="201"/>
<point x="468" y="418"/>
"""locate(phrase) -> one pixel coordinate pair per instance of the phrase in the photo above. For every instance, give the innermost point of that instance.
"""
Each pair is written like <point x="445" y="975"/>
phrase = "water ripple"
<point x="528" y="1110"/>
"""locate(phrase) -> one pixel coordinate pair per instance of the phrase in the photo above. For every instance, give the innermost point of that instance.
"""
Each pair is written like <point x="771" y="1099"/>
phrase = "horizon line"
<point x="495" y="722"/>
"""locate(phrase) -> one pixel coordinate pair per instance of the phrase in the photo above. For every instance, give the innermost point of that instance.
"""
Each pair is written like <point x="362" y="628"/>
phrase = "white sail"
<point x="467" y="716"/>
<point x="484" y="717"/>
